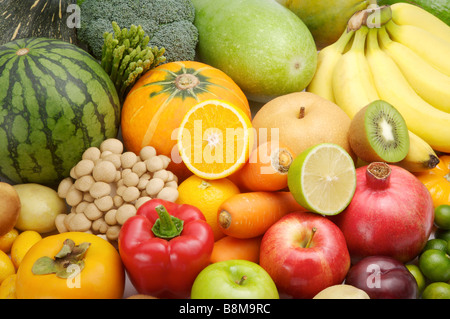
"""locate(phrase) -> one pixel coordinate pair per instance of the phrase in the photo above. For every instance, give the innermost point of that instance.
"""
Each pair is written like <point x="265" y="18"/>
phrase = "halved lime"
<point x="417" y="273"/>
<point x="323" y="179"/>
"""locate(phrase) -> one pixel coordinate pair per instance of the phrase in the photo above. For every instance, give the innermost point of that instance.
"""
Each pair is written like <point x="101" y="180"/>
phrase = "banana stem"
<point x="343" y="40"/>
<point x="360" y="39"/>
<point x="372" y="42"/>
<point x="379" y="17"/>
<point x="372" y="17"/>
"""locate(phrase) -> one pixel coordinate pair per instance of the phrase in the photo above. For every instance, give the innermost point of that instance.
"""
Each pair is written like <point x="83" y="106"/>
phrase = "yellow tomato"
<point x="6" y="266"/>
<point x="101" y="277"/>
<point x="8" y="287"/>
<point x="7" y="240"/>
<point x="437" y="180"/>
<point x="22" y="244"/>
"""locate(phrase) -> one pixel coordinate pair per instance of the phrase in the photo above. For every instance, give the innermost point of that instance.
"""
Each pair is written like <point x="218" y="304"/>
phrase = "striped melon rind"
<point x="56" y="101"/>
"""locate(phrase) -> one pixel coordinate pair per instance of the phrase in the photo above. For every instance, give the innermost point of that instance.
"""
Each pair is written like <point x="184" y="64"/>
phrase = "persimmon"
<point x="87" y="267"/>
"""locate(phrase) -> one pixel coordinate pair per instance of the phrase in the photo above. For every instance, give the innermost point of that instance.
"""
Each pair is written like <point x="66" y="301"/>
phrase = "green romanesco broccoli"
<point x="168" y="23"/>
<point x="126" y="56"/>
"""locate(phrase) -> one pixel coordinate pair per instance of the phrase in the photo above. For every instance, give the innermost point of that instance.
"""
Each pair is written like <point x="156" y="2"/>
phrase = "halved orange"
<point x="214" y="139"/>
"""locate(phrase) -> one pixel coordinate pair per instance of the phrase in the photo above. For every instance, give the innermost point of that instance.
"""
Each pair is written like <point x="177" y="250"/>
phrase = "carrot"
<point x="266" y="168"/>
<point x="250" y="214"/>
<point x="228" y="248"/>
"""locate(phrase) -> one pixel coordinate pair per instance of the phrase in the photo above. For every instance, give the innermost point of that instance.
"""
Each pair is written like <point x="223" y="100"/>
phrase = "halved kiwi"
<point x="378" y="132"/>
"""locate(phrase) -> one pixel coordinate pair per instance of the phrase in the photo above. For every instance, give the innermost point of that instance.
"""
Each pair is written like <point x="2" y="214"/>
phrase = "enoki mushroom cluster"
<point x="107" y="186"/>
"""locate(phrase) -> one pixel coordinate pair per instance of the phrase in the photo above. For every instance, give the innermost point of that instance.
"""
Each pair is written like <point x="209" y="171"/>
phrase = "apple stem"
<point x="313" y="230"/>
<point x="302" y="112"/>
<point x="240" y="282"/>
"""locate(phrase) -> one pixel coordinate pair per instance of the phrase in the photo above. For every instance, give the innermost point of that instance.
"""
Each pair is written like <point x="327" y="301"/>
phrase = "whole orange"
<point x="157" y="103"/>
<point x="207" y="195"/>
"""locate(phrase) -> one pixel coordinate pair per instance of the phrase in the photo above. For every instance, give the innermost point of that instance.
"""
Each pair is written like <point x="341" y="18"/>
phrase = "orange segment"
<point x="214" y="139"/>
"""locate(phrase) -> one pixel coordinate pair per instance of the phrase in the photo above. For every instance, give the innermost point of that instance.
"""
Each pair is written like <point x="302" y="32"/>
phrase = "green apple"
<point x="263" y="46"/>
<point x="234" y="279"/>
<point x="39" y="207"/>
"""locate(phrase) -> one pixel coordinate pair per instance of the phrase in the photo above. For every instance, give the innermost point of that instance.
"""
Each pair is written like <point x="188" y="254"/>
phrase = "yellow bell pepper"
<point x="437" y="180"/>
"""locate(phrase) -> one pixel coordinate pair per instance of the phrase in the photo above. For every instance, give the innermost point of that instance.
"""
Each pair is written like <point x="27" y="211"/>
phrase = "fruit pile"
<point x="401" y="61"/>
<point x="286" y="161"/>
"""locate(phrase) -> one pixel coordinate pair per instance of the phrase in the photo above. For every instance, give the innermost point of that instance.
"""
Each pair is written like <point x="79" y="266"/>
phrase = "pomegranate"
<point x="391" y="214"/>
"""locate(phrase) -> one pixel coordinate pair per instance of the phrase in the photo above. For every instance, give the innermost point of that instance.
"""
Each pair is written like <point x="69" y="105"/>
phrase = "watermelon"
<point x="56" y="101"/>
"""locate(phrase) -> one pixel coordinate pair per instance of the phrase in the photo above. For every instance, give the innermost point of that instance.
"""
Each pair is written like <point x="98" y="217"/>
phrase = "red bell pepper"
<point x="164" y="247"/>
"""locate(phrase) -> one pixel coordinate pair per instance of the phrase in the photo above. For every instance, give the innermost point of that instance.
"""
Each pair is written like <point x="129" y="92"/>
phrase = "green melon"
<point x="56" y="101"/>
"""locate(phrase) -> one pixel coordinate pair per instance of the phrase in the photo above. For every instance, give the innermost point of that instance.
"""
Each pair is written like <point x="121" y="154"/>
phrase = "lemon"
<point x="8" y="287"/>
<point x="6" y="266"/>
<point x="207" y="195"/>
<point x="22" y="244"/>
<point x="7" y="240"/>
<point x="323" y="179"/>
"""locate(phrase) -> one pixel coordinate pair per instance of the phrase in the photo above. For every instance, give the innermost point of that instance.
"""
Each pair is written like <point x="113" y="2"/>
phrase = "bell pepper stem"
<point x="166" y="226"/>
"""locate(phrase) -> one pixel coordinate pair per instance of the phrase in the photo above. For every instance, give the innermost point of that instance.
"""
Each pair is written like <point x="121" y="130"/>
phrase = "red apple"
<point x="391" y="214"/>
<point x="304" y="253"/>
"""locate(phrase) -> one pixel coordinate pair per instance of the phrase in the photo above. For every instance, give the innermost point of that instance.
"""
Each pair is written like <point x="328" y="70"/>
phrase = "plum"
<point x="383" y="277"/>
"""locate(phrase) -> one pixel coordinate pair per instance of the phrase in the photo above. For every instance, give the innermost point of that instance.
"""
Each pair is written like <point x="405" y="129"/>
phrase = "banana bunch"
<point x="405" y="62"/>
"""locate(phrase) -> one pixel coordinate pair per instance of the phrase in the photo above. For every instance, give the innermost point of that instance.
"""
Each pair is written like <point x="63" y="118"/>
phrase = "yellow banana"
<point x="423" y="119"/>
<point x="353" y="86"/>
<point x="409" y="14"/>
<point x="326" y="61"/>
<point x="431" y="48"/>
<point x="433" y="86"/>
<point x="420" y="157"/>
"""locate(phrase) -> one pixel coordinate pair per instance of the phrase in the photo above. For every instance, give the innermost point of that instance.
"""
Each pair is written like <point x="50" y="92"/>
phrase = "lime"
<point x="323" y="179"/>
<point x="435" y="265"/>
<point x="420" y="278"/>
<point x="436" y="243"/>
<point x="436" y="290"/>
<point x="442" y="216"/>
<point x="442" y="234"/>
